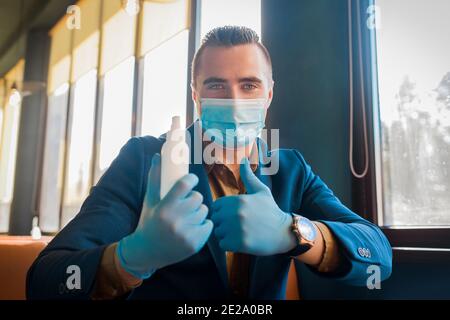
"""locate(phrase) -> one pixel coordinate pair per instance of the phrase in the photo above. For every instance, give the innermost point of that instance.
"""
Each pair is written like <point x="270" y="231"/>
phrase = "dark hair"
<point x="227" y="36"/>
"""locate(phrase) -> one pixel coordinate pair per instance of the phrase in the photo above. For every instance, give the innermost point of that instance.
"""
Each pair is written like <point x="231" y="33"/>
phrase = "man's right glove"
<point x="169" y="230"/>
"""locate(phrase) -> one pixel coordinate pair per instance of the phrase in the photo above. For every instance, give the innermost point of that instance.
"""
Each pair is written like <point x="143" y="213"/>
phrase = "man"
<point x="224" y="230"/>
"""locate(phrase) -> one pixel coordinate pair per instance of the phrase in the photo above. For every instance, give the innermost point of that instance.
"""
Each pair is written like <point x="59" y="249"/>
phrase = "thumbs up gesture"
<point x="252" y="223"/>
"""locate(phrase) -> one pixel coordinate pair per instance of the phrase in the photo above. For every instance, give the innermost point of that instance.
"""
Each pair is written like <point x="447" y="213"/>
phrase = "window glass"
<point x="165" y="85"/>
<point x="116" y="113"/>
<point x="414" y="91"/>
<point x="78" y="167"/>
<point x="51" y="184"/>
<point x="8" y="151"/>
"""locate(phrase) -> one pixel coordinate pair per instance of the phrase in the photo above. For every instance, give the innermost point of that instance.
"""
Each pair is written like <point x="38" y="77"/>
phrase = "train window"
<point x="216" y="13"/>
<point x="116" y="112"/>
<point x="51" y="185"/>
<point x="78" y="167"/>
<point x="165" y="82"/>
<point x="164" y="52"/>
<point x="414" y="91"/>
<point x="7" y="161"/>
<point x="82" y="108"/>
<point x="79" y="59"/>
<point x="55" y="133"/>
<point x="8" y="144"/>
<point x="117" y="71"/>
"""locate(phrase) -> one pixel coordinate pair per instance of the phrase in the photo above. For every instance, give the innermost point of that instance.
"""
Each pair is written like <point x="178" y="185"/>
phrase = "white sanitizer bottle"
<point x="174" y="157"/>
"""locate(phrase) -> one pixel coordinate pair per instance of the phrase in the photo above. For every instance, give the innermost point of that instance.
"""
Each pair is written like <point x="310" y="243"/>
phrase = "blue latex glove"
<point x="169" y="230"/>
<point x="252" y="223"/>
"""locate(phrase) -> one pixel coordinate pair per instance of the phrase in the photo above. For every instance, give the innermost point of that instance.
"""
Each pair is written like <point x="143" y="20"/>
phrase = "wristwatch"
<point x="304" y="232"/>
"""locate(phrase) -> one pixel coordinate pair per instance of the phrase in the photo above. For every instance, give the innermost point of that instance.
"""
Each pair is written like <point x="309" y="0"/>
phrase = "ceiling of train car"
<point x="16" y="16"/>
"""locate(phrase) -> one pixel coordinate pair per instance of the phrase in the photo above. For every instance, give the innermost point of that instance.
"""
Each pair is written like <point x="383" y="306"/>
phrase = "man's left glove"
<point x="252" y="223"/>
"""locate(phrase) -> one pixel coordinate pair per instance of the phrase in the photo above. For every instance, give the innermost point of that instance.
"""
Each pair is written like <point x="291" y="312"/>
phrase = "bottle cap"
<point x="36" y="231"/>
<point x="176" y="123"/>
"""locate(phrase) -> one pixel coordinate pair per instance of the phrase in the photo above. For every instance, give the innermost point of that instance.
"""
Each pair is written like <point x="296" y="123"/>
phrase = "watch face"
<point x="307" y="229"/>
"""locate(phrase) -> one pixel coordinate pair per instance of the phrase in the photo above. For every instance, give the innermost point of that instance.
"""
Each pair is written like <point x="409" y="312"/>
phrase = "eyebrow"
<point x="251" y="79"/>
<point x="214" y="80"/>
<point x="221" y="80"/>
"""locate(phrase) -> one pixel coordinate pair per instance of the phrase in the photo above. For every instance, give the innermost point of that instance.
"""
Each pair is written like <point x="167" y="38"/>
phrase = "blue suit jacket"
<point x="112" y="209"/>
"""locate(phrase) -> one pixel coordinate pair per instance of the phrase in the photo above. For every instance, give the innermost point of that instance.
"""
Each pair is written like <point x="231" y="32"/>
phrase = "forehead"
<point x="235" y="61"/>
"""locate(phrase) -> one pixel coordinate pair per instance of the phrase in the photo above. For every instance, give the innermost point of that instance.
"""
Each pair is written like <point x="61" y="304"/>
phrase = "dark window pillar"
<point x="31" y="135"/>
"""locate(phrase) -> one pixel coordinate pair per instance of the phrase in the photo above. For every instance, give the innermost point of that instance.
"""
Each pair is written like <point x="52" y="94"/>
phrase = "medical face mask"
<point x="232" y="123"/>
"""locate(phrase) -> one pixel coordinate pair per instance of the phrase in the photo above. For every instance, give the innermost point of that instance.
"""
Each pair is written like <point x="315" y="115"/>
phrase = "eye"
<point x="249" y="86"/>
<point x="216" y="86"/>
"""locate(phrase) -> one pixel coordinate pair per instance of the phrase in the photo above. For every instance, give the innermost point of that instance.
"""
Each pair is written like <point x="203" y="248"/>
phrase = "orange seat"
<point x="17" y="253"/>
<point x="292" y="292"/>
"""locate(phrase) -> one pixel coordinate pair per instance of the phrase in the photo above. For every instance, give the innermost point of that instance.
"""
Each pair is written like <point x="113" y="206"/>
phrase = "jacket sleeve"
<point x="362" y="244"/>
<point x="110" y="212"/>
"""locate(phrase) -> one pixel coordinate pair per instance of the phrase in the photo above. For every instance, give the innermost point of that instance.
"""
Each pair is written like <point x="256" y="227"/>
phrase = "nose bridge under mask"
<point x="236" y="111"/>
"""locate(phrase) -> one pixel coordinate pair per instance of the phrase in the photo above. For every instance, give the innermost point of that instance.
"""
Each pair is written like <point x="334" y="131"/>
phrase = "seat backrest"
<point x="17" y="253"/>
<point x="292" y="291"/>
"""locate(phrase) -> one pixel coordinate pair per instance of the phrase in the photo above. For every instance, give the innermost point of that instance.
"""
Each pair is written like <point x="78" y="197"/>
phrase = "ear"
<point x="270" y="96"/>
<point x="193" y="92"/>
<point x="196" y="99"/>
